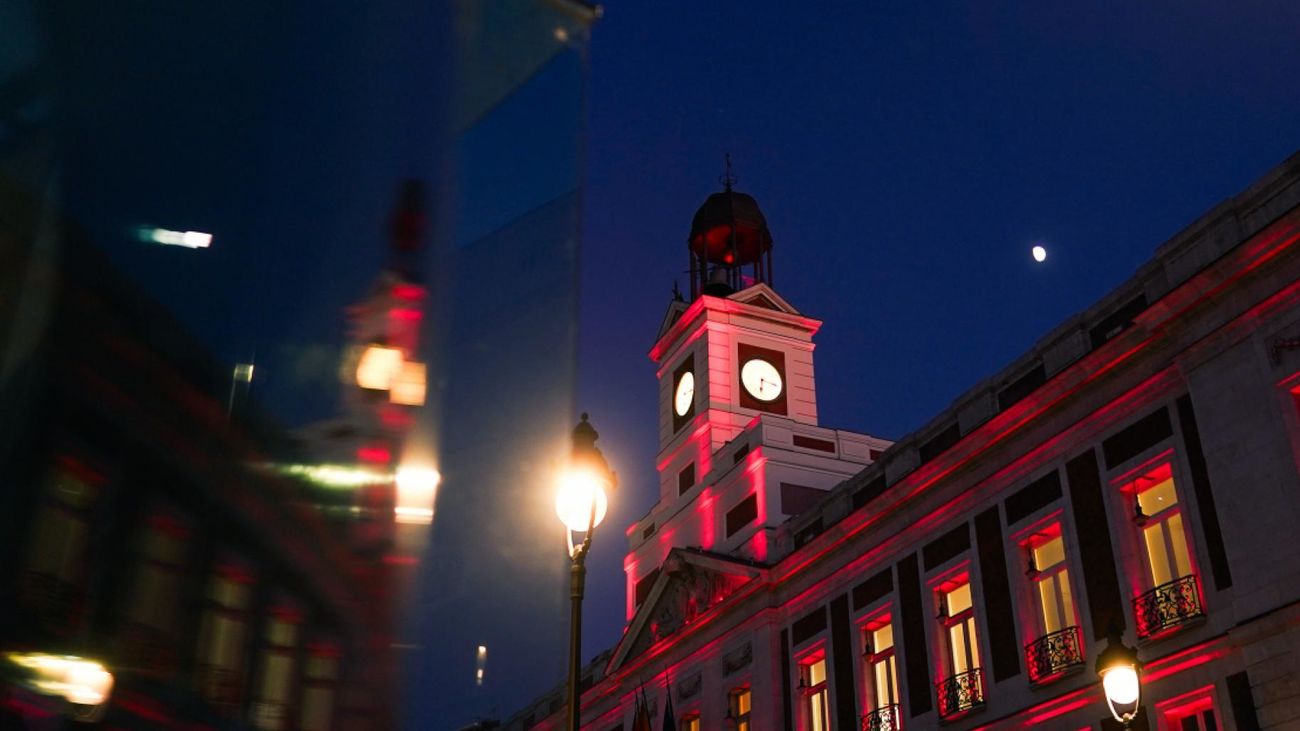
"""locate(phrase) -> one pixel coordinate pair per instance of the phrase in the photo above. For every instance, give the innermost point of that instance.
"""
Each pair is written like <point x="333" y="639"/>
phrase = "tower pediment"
<point x="692" y="583"/>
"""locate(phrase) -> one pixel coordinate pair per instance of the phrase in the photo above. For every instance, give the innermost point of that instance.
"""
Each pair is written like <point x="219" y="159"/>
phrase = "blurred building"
<point x="1136" y="469"/>
<point x="147" y="528"/>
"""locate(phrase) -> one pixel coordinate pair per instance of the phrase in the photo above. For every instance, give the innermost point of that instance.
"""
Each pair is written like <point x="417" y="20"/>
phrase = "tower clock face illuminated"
<point x="761" y="379"/>
<point x="684" y="396"/>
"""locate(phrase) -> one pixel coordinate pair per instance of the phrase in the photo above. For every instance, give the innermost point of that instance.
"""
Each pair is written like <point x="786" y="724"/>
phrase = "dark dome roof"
<point x="711" y="229"/>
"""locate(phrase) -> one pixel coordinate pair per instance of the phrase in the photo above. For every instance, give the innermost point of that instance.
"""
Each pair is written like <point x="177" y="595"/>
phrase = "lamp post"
<point x="1118" y="667"/>
<point x="581" y="503"/>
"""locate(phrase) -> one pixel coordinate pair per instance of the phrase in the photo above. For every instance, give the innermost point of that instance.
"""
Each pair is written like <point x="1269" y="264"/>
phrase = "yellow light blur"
<point x="377" y="367"/>
<point x="578" y="489"/>
<point x="408" y="386"/>
<point x="1121" y="685"/>
<point x="244" y="372"/>
<point x="80" y="681"/>
<point x="417" y="489"/>
<point x="335" y="475"/>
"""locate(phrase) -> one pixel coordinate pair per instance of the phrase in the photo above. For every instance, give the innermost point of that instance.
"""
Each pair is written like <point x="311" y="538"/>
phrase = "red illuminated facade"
<point x="1140" y="467"/>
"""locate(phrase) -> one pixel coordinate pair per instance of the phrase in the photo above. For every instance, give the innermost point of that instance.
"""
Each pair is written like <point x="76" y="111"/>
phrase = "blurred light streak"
<point x="186" y="239"/>
<point x="336" y="475"/>
<point x="82" y="682"/>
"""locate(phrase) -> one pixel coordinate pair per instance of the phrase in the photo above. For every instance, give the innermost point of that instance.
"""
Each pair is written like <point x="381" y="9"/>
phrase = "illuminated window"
<point x="158" y="576"/>
<point x="963" y="644"/>
<point x="222" y="634"/>
<point x="816" y="697"/>
<point x="963" y="689"/>
<point x="882" y="665"/>
<point x="320" y="677"/>
<point x="690" y="723"/>
<point x="275" y="677"/>
<point x="1052" y="583"/>
<point x="1057" y="647"/>
<point x="739" y="703"/>
<point x="51" y="587"/>
<point x="1163" y="534"/>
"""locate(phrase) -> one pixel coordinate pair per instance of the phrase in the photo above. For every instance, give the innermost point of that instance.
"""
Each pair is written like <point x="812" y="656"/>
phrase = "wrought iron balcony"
<point x="1168" y="605"/>
<point x="961" y="693"/>
<point x="884" y="718"/>
<point x="1053" y="654"/>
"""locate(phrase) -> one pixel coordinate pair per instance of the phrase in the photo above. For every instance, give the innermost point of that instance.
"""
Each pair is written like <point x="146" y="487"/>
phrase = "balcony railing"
<point x="1168" y="605"/>
<point x="884" y="718"/>
<point x="960" y="693"/>
<point x="1053" y="654"/>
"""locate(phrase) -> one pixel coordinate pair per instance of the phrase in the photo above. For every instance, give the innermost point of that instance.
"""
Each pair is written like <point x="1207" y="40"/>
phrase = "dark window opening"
<point x="1022" y="387"/>
<point x="686" y="479"/>
<point x="743" y="514"/>
<point x="821" y="445"/>
<point x="940" y="442"/>
<point x="1117" y="321"/>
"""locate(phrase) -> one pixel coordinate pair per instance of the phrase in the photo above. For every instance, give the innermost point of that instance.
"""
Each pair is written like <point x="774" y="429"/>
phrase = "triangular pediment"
<point x="761" y="295"/>
<point x="691" y="584"/>
<point x="674" y="313"/>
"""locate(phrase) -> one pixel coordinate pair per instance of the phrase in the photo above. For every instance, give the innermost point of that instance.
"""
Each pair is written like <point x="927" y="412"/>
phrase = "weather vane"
<point x="727" y="178"/>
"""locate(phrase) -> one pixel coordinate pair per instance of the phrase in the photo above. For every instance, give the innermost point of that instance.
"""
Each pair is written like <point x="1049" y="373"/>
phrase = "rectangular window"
<point x="1057" y="647"/>
<point x="745" y="512"/>
<point x="275" y="685"/>
<point x="963" y="645"/>
<point x="221" y="637"/>
<point x="963" y="689"/>
<point x="738" y="703"/>
<point x="881" y="674"/>
<point x="690" y="723"/>
<point x="686" y="479"/>
<point x="816" y="696"/>
<point x="1175" y="594"/>
<point x="1163" y="535"/>
<point x="1052" y="580"/>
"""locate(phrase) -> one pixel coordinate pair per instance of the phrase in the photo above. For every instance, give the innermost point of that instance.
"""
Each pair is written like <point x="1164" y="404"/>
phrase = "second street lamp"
<point x="581" y="503"/>
<point x="1118" y="667"/>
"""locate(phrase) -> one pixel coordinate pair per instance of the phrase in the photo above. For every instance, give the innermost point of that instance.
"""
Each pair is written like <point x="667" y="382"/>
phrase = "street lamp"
<point x="581" y="503"/>
<point x="1118" y="667"/>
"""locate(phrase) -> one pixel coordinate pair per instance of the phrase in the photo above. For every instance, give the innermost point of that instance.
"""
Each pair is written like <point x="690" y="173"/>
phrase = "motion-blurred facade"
<point x="155" y="523"/>
<point x="1136" y="469"/>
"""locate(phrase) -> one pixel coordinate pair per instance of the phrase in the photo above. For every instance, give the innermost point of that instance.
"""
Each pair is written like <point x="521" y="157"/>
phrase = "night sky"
<point x="906" y="159"/>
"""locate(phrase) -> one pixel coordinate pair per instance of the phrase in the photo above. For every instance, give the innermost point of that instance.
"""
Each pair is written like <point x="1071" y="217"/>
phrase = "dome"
<point x="712" y="226"/>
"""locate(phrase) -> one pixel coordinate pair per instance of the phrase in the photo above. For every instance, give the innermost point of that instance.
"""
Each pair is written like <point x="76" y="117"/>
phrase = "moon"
<point x="1040" y="253"/>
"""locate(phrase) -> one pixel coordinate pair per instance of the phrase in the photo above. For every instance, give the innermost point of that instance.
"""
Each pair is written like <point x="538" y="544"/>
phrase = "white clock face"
<point x="761" y="379"/>
<point x="685" y="394"/>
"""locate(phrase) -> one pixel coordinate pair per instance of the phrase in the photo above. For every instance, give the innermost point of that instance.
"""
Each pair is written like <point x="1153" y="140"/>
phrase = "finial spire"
<point x="728" y="179"/>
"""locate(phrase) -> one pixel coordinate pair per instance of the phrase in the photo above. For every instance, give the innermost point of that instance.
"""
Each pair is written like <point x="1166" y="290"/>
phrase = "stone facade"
<point x="1138" y="467"/>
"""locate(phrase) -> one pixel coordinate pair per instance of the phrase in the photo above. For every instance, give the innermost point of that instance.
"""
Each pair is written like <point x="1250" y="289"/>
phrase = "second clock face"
<point x="761" y="379"/>
<point x="684" y="396"/>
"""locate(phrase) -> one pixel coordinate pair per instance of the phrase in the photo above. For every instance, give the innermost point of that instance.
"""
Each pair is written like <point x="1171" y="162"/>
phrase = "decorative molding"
<point x="688" y="688"/>
<point x="737" y="658"/>
<point x="1278" y="346"/>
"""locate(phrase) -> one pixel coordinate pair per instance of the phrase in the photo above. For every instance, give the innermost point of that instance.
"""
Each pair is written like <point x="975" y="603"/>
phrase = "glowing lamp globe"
<point x="1121" y="682"/>
<point x="1121" y="685"/>
<point x="578" y="490"/>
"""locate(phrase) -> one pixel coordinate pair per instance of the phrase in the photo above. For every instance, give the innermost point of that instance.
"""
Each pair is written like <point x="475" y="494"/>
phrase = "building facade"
<point x="1136" y="470"/>
<point x="156" y="526"/>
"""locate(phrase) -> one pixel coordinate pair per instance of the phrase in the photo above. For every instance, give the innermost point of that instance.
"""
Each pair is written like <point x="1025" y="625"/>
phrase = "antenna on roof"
<point x="728" y="179"/>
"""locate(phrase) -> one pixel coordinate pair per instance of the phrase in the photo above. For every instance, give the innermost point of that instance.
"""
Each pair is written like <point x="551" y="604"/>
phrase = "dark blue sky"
<point x="906" y="155"/>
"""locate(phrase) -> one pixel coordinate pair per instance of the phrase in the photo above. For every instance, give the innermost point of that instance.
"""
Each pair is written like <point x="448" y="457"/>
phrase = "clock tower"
<point x="740" y="449"/>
